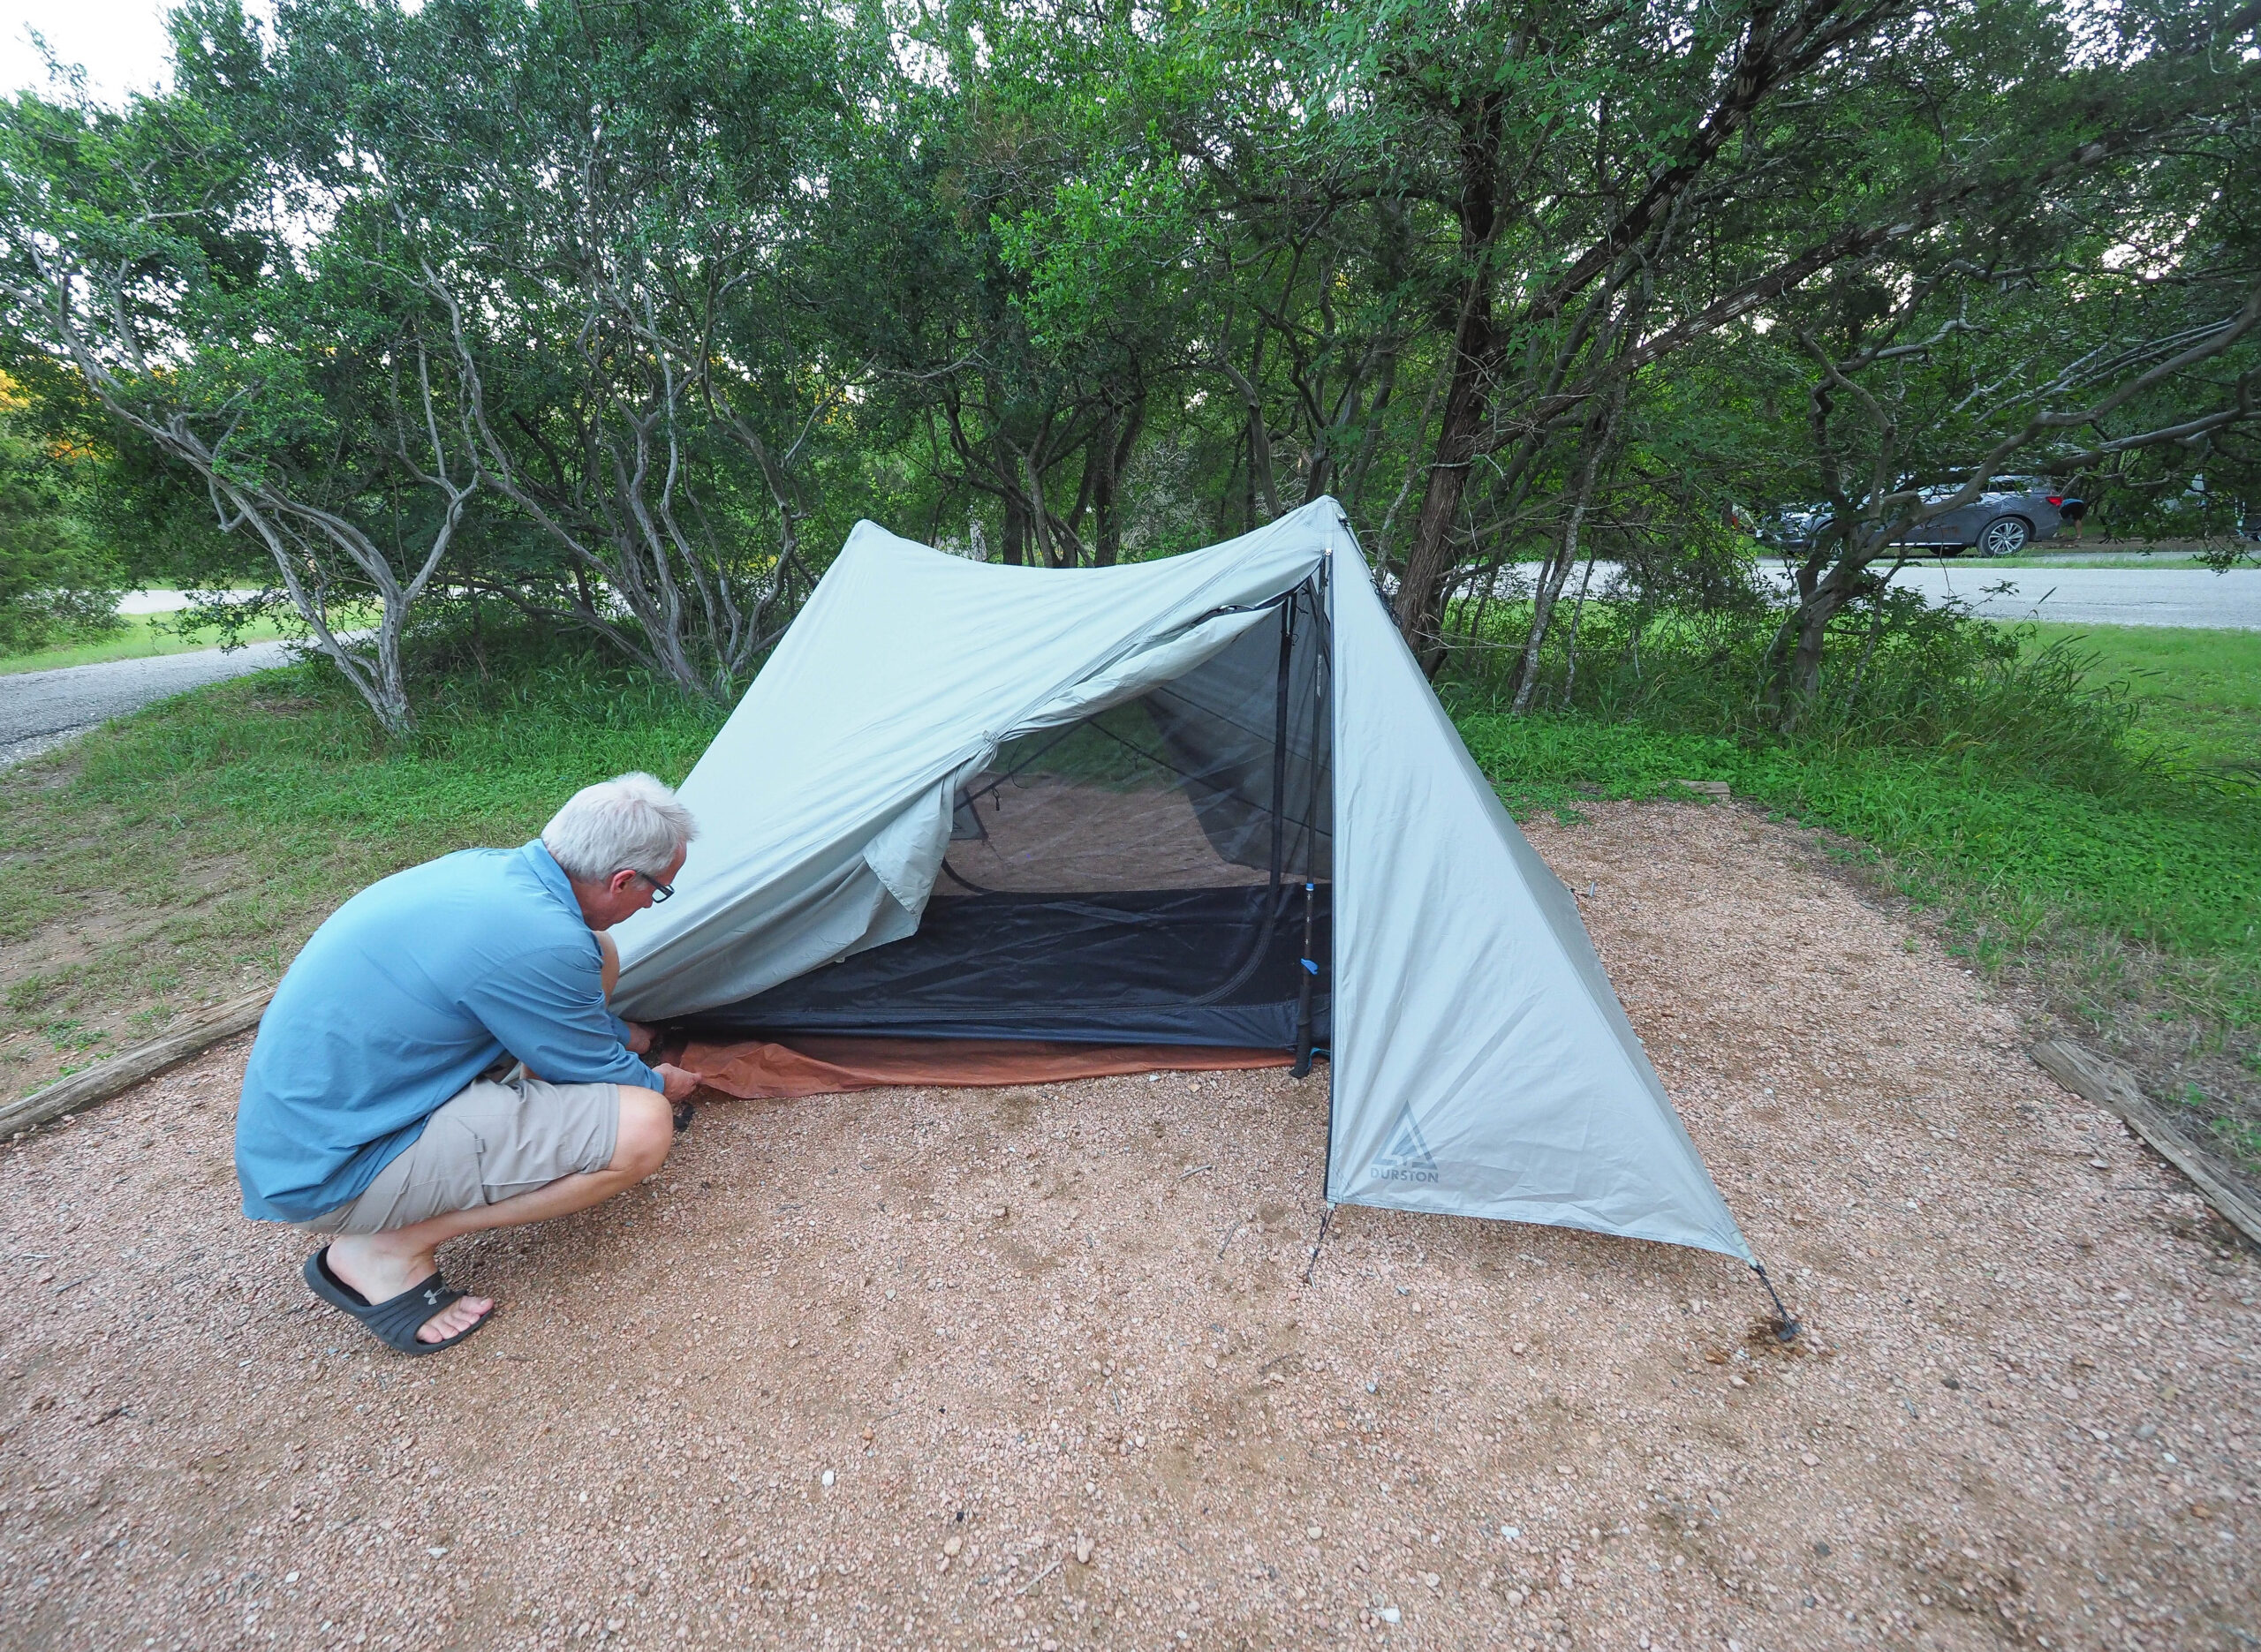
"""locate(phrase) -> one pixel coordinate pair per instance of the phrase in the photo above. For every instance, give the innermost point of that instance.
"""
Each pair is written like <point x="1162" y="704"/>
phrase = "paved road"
<point x="2073" y="596"/>
<point x="2101" y="596"/>
<point x="40" y="710"/>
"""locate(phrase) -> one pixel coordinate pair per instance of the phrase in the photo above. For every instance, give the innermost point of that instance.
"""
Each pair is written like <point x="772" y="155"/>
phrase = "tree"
<point x="149" y="252"/>
<point x="1597" y="191"/>
<point x="994" y="265"/>
<point x="600" y="318"/>
<point x="604" y="223"/>
<point x="2097" y="302"/>
<point x="58" y="579"/>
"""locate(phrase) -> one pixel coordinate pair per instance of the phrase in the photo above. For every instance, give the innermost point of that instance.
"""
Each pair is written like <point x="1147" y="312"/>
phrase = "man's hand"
<point x="639" y="1038"/>
<point x="676" y="1082"/>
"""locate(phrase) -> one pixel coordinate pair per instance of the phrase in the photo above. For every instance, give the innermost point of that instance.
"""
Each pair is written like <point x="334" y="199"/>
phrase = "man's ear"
<point x="618" y="882"/>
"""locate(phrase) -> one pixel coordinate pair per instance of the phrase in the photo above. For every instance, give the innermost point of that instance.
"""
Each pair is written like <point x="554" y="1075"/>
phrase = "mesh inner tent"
<point x="1148" y="873"/>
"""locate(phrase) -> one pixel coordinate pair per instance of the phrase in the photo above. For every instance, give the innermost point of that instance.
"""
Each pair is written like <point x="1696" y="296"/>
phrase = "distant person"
<point x="2075" y="511"/>
<point x="440" y="1061"/>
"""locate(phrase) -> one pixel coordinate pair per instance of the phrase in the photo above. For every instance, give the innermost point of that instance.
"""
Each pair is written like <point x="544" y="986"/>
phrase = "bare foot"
<point x="382" y="1272"/>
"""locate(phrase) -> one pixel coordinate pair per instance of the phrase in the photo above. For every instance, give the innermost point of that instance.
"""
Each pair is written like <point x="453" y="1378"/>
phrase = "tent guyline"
<point x="1207" y="804"/>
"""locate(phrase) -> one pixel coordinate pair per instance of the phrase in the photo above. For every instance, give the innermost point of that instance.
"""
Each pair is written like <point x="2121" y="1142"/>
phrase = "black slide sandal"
<point x="395" y="1321"/>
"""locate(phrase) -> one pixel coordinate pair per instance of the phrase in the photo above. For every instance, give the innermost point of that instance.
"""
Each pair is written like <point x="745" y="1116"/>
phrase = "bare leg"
<point x="382" y="1265"/>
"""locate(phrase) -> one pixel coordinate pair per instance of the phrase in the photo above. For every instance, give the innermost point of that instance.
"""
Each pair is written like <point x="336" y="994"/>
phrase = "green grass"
<point x="144" y="635"/>
<point x="2077" y="807"/>
<point x="2174" y="869"/>
<point x="2198" y="693"/>
<point x="182" y="854"/>
<point x="2163" y="854"/>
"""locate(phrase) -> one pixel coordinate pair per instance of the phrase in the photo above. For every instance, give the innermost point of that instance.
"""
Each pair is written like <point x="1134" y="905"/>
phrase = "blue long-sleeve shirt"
<point x="405" y="994"/>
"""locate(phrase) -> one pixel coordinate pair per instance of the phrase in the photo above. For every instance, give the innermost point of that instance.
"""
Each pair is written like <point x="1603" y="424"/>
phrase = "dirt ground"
<point x="1038" y="1368"/>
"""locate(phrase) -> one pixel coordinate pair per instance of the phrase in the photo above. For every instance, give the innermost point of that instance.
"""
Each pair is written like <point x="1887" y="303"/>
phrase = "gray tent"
<point x="1208" y="801"/>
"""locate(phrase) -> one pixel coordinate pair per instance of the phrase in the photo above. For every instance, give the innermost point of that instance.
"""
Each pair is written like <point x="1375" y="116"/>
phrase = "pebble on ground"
<point x="1038" y="1368"/>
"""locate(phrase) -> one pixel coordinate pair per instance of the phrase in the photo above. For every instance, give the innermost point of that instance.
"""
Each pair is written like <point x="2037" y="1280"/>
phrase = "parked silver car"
<point x="2001" y="522"/>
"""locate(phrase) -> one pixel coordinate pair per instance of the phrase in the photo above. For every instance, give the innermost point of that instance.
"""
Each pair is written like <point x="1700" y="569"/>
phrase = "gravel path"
<point x="40" y="710"/>
<point x="1038" y="1367"/>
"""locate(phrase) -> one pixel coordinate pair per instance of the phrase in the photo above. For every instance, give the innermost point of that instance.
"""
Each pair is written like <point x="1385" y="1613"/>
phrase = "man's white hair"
<point x="630" y="823"/>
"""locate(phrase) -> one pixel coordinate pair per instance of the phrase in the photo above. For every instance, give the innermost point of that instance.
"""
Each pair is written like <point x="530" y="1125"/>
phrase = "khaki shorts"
<point x="484" y="1146"/>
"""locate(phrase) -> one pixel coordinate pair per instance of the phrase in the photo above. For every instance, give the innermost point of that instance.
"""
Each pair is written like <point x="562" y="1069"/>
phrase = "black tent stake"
<point x="1786" y="1329"/>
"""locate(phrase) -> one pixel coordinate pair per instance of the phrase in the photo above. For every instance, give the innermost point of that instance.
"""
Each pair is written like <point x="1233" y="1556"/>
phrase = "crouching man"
<point x="440" y="1061"/>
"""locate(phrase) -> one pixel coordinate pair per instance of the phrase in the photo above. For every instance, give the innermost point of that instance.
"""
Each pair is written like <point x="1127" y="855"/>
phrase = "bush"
<point x="1904" y="676"/>
<point x="57" y="583"/>
<point x="1994" y="778"/>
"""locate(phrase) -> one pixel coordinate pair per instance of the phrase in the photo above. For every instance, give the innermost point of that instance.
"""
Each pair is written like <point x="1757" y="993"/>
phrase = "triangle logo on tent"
<point x="1407" y="1157"/>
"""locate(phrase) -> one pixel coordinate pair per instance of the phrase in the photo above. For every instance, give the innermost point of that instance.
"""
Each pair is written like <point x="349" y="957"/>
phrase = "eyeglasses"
<point x="660" y="891"/>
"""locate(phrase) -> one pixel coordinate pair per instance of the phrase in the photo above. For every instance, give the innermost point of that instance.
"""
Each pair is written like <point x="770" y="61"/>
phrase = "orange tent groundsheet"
<point x="755" y="1070"/>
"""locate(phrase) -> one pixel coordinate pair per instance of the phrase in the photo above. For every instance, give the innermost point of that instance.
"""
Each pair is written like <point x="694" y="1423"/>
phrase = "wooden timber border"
<point x="2100" y="1079"/>
<point x="192" y="1036"/>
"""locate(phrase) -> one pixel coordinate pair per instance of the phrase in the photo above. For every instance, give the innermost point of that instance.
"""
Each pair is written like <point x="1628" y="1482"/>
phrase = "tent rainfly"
<point x="1208" y="801"/>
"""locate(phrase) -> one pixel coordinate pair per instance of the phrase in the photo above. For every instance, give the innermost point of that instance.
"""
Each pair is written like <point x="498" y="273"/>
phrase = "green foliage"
<point x="2077" y="806"/>
<point x="632" y="369"/>
<point x="623" y="325"/>
<point x="2195" y="695"/>
<point x="515" y="721"/>
<point x="2005" y="777"/>
<point x="157" y="255"/>
<point x="190" y="850"/>
<point x="134" y="636"/>
<point x="1905" y="673"/>
<point x="59" y="581"/>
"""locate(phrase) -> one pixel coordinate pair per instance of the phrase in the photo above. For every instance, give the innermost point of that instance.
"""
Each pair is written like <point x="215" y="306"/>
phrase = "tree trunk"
<point x="1420" y="592"/>
<point x="1557" y="572"/>
<point x="1099" y="460"/>
<point x="1814" y="615"/>
<point x="1260" y="479"/>
<point x="1248" y="499"/>
<point x="389" y="695"/>
<point x="1474" y="347"/>
<point x="1552" y="578"/>
<point x="1041" y="537"/>
<point x="1015" y="533"/>
<point x="1354" y="477"/>
<point x="1437" y="383"/>
<point x="1570" y="643"/>
<point x="1797" y="681"/>
<point x="1225" y="495"/>
<point x="1110" y="450"/>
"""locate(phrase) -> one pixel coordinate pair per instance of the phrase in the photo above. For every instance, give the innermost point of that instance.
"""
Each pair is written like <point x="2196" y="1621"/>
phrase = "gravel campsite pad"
<point x="1038" y="1367"/>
